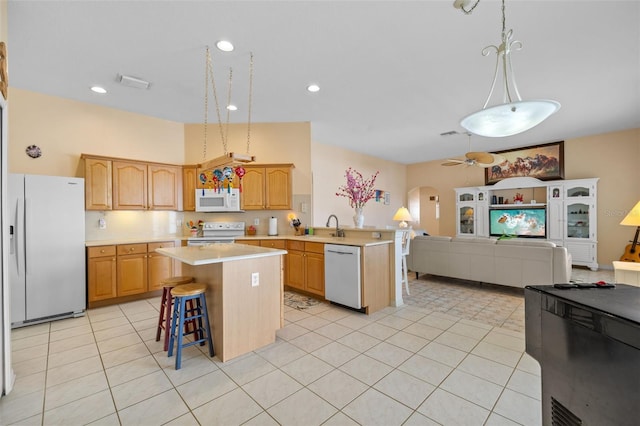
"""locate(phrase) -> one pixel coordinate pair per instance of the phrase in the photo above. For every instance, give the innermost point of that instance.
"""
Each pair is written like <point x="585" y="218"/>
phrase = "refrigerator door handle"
<point x="27" y="224"/>
<point x="14" y="236"/>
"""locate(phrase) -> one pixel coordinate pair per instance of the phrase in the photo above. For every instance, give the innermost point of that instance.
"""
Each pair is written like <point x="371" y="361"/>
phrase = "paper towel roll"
<point x="273" y="226"/>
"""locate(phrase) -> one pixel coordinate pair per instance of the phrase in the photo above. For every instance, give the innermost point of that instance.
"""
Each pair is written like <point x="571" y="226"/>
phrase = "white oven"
<point x="218" y="200"/>
<point x="217" y="232"/>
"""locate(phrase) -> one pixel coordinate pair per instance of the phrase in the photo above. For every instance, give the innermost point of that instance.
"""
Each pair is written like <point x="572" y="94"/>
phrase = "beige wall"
<point x="269" y="143"/>
<point x="329" y="164"/>
<point x="613" y="157"/>
<point x="64" y="129"/>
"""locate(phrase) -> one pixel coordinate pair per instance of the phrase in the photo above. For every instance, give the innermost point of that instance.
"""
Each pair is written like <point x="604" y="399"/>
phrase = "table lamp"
<point x="403" y="215"/>
<point x="631" y="253"/>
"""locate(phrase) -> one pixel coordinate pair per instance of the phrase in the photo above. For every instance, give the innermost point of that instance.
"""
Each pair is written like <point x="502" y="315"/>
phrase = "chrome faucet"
<point x="339" y="232"/>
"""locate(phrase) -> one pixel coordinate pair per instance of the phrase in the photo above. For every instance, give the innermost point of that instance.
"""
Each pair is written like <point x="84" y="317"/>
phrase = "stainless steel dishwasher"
<point x="342" y="275"/>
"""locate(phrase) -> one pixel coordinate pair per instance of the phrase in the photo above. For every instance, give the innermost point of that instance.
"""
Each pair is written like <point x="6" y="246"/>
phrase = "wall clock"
<point x="33" y="151"/>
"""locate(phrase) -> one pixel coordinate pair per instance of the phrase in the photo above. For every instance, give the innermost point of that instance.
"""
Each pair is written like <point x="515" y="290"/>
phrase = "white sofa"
<point x="513" y="262"/>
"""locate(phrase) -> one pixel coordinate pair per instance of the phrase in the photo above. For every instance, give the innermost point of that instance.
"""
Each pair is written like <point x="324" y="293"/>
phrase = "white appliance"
<point x="342" y="275"/>
<point x="214" y="200"/>
<point x="46" y="248"/>
<point x="217" y="232"/>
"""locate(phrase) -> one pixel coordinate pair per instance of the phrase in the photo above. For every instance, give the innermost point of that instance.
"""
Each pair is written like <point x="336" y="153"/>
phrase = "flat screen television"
<point x="526" y="222"/>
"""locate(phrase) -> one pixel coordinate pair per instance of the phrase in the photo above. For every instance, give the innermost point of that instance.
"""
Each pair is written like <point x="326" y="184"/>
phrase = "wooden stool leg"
<point x="180" y="327"/>
<point x="167" y="319"/>
<point x="207" y="327"/>
<point x="161" y="317"/>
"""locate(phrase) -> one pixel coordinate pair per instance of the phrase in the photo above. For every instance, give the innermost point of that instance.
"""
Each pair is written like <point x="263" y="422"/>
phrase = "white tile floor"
<point x="453" y="354"/>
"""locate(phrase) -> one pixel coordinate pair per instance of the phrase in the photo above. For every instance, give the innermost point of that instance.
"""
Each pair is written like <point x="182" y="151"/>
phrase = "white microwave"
<point x="213" y="200"/>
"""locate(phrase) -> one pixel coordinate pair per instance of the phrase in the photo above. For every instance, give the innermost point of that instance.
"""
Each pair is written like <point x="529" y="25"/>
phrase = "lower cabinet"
<point x="132" y="269"/>
<point x="304" y="265"/>
<point x="101" y="273"/>
<point x="127" y="269"/>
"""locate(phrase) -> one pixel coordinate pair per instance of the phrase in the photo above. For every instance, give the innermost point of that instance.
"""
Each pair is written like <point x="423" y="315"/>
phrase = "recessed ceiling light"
<point x="99" y="89"/>
<point x="313" y="88"/>
<point x="224" y="45"/>
<point x="232" y="107"/>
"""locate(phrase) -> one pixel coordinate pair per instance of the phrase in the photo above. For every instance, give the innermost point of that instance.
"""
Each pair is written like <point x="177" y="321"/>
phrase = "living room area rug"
<point x="299" y="301"/>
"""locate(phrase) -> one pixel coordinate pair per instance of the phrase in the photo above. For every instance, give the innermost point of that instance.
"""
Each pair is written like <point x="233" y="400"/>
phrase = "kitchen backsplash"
<point x="152" y="224"/>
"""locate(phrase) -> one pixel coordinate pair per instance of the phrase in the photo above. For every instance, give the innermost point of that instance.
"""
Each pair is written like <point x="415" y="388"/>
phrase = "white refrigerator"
<point x="46" y="248"/>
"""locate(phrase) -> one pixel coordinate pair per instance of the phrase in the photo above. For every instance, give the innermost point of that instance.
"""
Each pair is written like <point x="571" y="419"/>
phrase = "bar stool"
<point x="181" y="314"/>
<point x="165" y="306"/>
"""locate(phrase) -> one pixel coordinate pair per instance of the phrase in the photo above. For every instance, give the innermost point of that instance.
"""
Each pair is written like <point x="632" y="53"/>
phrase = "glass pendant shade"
<point x="510" y="118"/>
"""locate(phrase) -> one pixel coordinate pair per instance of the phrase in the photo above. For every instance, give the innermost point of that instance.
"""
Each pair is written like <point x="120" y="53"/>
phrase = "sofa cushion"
<point x="526" y="242"/>
<point x="474" y="240"/>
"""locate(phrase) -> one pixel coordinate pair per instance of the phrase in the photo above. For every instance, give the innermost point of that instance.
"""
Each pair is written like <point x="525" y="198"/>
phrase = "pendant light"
<point x="514" y="115"/>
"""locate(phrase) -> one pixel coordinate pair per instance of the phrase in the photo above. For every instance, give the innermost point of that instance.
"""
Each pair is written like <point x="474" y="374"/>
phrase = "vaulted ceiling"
<point x="394" y="75"/>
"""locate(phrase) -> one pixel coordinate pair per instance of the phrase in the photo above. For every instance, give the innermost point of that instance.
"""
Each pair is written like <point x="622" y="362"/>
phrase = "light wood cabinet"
<point x="121" y="184"/>
<point x="132" y="269"/>
<point x="101" y="279"/>
<point x="97" y="184"/>
<point x="116" y="271"/>
<point x="189" y="183"/>
<point x="165" y="187"/>
<point x="304" y="265"/>
<point x="159" y="266"/>
<point x="129" y="186"/>
<point x="267" y="187"/>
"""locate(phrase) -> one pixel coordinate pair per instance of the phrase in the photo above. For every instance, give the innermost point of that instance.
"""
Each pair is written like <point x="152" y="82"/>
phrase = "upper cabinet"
<point x="97" y="189"/>
<point x="129" y="186"/>
<point x="116" y="184"/>
<point x="267" y="187"/>
<point x="189" y="185"/>
<point x="164" y="187"/>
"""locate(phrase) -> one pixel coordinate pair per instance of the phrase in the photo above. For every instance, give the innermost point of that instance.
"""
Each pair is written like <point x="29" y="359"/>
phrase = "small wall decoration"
<point x="544" y="162"/>
<point x="387" y="198"/>
<point x="33" y="151"/>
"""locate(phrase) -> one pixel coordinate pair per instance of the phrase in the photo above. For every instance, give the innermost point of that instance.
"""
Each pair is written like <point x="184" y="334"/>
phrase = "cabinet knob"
<point x="102" y="251"/>
<point x="113" y="260"/>
<point x="132" y="249"/>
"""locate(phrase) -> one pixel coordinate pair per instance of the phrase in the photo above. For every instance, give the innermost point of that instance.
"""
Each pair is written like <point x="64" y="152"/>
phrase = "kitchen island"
<point x="244" y="294"/>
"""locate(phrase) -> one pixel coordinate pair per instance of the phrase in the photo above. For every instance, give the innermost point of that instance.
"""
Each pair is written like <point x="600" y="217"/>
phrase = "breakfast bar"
<point x="244" y="295"/>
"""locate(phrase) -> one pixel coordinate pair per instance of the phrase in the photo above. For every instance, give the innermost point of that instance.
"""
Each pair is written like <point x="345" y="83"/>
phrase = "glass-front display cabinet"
<point x="577" y="220"/>
<point x="466" y="220"/>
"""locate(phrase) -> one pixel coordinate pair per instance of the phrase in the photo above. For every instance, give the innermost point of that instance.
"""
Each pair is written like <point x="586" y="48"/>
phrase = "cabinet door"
<point x="314" y="265"/>
<point x="132" y="269"/>
<point x="466" y="219"/>
<point x="97" y="184"/>
<point x="159" y="266"/>
<point x="129" y="186"/>
<point x="102" y="278"/>
<point x="165" y="187"/>
<point x="189" y="179"/>
<point x="278" y="188"/>
<point x="252" y="197"/>
<point x="578" y="220"/>
<point x="295" y="269"/>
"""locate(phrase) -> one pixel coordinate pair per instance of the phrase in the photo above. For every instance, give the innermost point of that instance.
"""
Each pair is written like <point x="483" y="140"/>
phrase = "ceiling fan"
<point x="473" y="158"/>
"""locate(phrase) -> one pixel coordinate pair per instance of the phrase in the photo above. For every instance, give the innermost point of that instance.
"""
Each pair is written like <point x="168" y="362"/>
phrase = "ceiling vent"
<point x="129" y="81"/>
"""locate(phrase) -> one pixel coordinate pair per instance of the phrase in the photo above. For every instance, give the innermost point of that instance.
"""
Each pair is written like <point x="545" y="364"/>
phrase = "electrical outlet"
<point x="255" y="279"/>
<point x="256" y="221"/>
<point x="102" y="223"/>
<point x="179" y="223"/>
<point x="375" y="235"/>
<point x="303" y="208"/>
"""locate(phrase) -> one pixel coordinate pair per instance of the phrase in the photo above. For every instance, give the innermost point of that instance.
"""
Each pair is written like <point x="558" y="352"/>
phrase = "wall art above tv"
<point x="544" y="162"/>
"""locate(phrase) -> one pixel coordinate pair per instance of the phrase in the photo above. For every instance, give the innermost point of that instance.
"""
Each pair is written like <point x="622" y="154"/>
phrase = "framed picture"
<point x="387" y="198"/>
<point x="544" y="162"/>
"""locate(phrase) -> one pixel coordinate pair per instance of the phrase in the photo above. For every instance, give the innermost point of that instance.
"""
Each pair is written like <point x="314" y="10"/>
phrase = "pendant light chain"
<point x="250" y="100"/>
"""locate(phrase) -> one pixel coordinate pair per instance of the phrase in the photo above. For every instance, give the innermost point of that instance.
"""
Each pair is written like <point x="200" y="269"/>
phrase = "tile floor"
<point x="453" y="354"/>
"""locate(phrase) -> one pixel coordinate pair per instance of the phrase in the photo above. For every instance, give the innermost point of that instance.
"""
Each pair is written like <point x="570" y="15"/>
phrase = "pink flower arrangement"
<point x="358" y="189"/>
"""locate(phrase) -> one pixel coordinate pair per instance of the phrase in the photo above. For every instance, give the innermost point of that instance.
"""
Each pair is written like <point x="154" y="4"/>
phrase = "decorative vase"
<point x="358" y="218"/>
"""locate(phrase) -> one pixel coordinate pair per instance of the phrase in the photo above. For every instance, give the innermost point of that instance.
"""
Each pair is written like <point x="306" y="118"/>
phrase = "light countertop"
<point x="218" y="253"/>
<point x="326" y="239"/>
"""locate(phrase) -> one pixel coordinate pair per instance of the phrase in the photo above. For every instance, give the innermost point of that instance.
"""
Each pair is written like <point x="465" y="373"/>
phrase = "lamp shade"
<point x="633" y="217"/>
<point x="403" y="215"/>
<point x="510" y="118"/>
